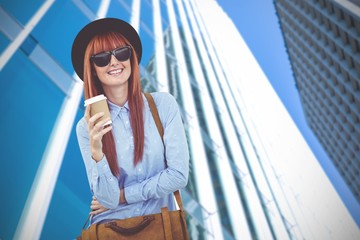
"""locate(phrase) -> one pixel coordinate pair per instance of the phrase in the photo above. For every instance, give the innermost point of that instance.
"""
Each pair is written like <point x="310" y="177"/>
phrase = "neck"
<point x="117" y="95"/>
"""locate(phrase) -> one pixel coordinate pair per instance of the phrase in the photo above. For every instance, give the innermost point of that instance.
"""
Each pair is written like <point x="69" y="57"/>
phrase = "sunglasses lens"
<point x="102" y="59"/>
<point x="122" y="54"/>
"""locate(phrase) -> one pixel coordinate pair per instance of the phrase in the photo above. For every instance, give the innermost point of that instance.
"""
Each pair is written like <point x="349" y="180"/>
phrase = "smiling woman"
<point x="128" y="171"/>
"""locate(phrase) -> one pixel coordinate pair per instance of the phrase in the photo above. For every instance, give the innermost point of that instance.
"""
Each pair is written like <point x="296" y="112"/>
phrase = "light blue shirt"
<point x="149" y="185"/>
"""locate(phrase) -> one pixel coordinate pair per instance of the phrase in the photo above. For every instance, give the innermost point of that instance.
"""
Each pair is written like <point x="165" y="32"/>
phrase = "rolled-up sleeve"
<point x="103" y="184"/>
<point x="175" y="175"/>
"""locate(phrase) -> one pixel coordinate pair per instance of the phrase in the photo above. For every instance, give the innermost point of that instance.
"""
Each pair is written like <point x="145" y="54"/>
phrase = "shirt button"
<point x="139" y="169"/>
<point x="137" y="209"/>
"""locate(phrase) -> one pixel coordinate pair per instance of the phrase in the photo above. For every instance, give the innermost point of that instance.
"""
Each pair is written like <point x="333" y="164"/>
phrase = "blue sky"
<point x="258" y="24"/>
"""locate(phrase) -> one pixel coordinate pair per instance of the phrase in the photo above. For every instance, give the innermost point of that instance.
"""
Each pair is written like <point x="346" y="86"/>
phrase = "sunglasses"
<point x="103" y="59"/>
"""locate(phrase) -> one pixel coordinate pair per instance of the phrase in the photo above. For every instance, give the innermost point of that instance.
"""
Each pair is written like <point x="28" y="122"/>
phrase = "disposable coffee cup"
<point x="99" y="104"/>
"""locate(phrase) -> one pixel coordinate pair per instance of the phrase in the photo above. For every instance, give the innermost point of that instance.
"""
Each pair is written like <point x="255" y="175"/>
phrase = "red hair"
<point x="93" y="87"/>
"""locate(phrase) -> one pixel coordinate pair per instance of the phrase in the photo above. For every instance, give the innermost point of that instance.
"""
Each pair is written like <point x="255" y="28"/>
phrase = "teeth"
<point x="115" y="71"/>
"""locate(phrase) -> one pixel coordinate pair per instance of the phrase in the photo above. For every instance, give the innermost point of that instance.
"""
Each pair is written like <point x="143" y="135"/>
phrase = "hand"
<point x="96" y="207"/>
<point x="96" y="131"/>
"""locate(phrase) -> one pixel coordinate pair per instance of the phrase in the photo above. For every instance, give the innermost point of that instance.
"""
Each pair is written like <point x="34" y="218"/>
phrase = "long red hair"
<point x="93" y="87"/>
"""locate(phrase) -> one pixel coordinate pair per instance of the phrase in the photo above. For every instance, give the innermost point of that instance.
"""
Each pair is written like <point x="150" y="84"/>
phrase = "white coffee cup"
<point x="99" y="104"/>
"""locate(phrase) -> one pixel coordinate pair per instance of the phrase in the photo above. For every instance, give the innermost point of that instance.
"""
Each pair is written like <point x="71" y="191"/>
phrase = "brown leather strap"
<point x="128" y="231"/>
<point x="160" y="128"/>
<point x="166" y="223"/>
<point x="178" y="199"/>
<point x="155" y="115"/>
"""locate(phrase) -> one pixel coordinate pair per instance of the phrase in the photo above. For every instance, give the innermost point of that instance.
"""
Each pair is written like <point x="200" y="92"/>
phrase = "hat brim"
<point x="100" y="26"/>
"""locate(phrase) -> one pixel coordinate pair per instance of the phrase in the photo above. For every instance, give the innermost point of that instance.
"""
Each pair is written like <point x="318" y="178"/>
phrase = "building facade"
<point x="252" y="175"/>
<point x="323" y="42"/>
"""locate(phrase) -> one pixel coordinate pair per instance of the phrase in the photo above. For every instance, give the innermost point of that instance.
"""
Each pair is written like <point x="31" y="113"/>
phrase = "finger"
<point x="95" y="207"/>
<point x="100" y="210"/>
<point x="94" y="119"/>
<point x="87" y="113"/>
<point x="94" y="202"/>
<point x="106" y="130"/>
<point x="97" y="136"/>
<point x="95" y="212"/>
<point x="99" y="126"/>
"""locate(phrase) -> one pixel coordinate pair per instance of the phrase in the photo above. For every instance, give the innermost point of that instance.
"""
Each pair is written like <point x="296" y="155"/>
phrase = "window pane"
<point x="72" y="192"/>
<point x="22" y="10"/>
<point x="57" y="30"/>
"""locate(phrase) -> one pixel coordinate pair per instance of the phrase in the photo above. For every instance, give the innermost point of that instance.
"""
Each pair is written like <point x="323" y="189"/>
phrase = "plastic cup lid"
<point x="94" y="99"/>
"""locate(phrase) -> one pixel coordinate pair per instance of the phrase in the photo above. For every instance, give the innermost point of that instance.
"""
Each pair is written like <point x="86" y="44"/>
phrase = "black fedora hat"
<point x="100" y="26"/>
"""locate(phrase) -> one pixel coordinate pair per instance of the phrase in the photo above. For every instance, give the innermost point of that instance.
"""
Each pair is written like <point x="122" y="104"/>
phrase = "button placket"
<point x="139" y="172"/>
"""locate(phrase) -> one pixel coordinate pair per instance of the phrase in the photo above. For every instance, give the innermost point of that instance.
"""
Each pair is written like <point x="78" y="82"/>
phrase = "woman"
<point x="131" y="172"/>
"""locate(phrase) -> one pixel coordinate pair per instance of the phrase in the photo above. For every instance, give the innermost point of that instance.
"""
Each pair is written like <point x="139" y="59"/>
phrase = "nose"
<point x="113" y="60"/>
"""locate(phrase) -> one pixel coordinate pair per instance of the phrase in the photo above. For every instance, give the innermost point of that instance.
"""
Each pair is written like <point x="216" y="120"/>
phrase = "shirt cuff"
<point x="133" y="193"/>
<point x="102" y="166"/>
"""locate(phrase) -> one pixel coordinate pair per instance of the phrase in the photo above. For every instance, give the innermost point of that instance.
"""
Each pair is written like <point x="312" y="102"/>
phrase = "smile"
<point x="115" y="72"/>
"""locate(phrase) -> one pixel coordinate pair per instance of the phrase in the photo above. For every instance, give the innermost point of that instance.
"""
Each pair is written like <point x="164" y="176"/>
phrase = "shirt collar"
<point x="115" y="109"/>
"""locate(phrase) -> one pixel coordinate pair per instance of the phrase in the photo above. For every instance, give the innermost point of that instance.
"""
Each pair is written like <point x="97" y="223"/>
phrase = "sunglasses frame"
<point x="109" y="53"/>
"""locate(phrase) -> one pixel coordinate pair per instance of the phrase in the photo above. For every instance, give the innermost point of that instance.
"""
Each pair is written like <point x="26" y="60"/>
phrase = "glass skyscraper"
<point x="323" y="42"/>
<point x="252" y="175"/>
